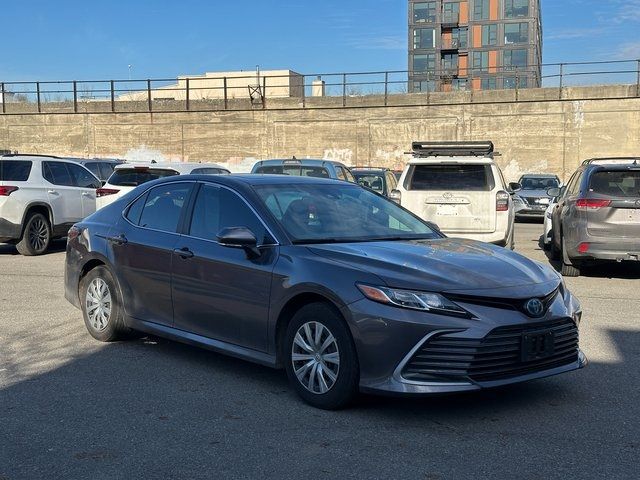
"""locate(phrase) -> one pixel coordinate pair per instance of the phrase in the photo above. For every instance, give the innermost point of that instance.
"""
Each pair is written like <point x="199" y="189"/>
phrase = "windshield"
<point x="312" y="213"/>
<point x="616" y="183"/>
<point x="532" y="183"/>
<point x="132" y="177"/>
<point x="370" y="180"/>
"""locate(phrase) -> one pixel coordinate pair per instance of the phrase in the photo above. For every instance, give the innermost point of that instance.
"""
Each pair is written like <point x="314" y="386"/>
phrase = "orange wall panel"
<point x="493" y="9"/>
<point x="476" y="84"/>
<point x="477" y="36"/>
<point x="464" y="12"/>
<point x="493" y="61"/>
<point x="463" y="64"/>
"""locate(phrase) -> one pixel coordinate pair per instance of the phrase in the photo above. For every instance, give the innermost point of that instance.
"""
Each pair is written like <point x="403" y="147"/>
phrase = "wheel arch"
<point x="38" y="207"/>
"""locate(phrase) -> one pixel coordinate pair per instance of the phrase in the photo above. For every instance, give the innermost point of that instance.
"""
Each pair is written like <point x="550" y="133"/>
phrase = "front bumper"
<point x="387" y="338"/>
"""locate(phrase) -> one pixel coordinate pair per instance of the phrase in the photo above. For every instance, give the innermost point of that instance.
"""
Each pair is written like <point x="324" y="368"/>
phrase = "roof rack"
<point x="612" y="161"/>
<point x="452" y="149"/>
<point x="32" y="155"/>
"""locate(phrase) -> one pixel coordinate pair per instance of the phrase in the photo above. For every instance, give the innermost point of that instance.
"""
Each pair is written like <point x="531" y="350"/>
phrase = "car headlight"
<point x="415" y="300"/>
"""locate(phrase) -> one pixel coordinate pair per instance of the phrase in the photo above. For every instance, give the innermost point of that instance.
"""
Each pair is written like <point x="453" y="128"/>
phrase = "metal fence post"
<point x="113" y="96"/>
<point x="386" y="88"/>
<point x="149" y="94"/>
<point x="3" y="102"/>
<point x="187" y="96"/>
<point x="75" y="96"/>
<point x="264" y="91"/>
<point x="517" y="83"/>
<point x="38" y="96"/>
<point x="226" y="96"/>
<point x="304" y="93"/>
<point x="638" y="80"/>
<point x="344" y="89"/>
<point x="561" y="80"/>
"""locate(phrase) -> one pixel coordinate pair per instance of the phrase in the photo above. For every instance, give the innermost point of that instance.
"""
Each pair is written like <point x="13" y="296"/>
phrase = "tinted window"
<point x="217" y="208"/>
<point x="371" y="180"/>
<point x="132" y="177"/>
<point x="533" y="183"/>
<point x="106" y="169"/>
<point x="15" y="170"/>
<point x="57" y="173"/>
<point x="349" y="176"/>
<point x="616" y="184"/>
<point x="339" y="212"/>
<point x="163" y="206"/>
<point x="574" y="186"/>
<point x="94" y="168"/>
<point x="452" y="177"/>
<point x="82" y="178"/>
<point x="133" y="214"/>
<point x="340" y="174"/>
<point x="209" y="171"/>
<point x="295" y="170"/>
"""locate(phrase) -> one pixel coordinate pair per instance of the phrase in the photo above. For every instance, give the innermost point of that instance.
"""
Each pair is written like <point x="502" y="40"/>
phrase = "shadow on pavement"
<point x="56" y="246"/>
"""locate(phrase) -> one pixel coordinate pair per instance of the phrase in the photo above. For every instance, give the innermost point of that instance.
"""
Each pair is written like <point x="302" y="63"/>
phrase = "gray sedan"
<point x="341" y="287"/>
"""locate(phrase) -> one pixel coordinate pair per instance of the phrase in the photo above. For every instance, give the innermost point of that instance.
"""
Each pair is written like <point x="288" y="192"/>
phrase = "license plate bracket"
<point x="537" y="345"/>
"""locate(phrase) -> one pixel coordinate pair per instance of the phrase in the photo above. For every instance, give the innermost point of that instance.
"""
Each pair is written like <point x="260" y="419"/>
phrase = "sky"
<point x="66" y="40"/>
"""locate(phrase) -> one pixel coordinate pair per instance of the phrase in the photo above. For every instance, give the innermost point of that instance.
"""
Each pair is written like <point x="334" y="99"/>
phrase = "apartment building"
<point x="474" y="44"/>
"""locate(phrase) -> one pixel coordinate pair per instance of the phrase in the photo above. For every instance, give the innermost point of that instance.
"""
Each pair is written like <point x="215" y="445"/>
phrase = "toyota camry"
<point x="342" y="288"/>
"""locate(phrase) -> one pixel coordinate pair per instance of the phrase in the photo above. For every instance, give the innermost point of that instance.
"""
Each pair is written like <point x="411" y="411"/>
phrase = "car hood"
<point x="447" y="265"/>
<point x="533" y="193"/>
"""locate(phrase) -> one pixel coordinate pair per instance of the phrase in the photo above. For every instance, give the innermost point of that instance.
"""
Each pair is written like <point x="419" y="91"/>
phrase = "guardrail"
<point x="297" y="91"/>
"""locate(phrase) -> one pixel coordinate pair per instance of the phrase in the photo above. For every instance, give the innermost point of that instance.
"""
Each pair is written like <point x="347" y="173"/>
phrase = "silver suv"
<point x="41" y="197"/>
<point x="598" y="215"/>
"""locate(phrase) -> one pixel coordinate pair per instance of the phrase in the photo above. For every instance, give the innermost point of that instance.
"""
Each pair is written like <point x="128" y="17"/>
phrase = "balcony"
<point x="450" y="19"/>
<point x="448" y="72"/>
<point x="453" y="44"/>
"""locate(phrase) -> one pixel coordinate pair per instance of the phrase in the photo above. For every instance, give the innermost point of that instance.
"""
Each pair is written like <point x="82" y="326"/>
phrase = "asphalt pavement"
<point x="72" y="407"/>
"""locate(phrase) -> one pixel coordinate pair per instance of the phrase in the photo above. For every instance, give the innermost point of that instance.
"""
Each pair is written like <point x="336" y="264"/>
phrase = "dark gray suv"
<point x="338" y="285"/>
<point x="597" y="217"/>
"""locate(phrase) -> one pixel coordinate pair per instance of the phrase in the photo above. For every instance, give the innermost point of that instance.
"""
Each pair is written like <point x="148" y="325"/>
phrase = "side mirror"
<point x="395" y="196"/>
<point x="239" y="237"/>
<point x="515" y="187"/>
<point x="553" y="192"/>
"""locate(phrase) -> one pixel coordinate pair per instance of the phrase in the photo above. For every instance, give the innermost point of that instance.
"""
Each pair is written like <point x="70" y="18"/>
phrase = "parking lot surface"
<point x="72" y="407"/>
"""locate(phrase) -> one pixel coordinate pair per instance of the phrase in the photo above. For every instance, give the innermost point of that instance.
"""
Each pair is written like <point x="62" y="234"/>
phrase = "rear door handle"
<point x="183" y="252"/>
<point x="119" y="240"/>
<point x="52" y="192"/>
<point x="86" y="194"/>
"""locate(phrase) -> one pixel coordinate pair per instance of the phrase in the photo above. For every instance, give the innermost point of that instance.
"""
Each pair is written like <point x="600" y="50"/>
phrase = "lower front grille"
<point x="498" y="356"/>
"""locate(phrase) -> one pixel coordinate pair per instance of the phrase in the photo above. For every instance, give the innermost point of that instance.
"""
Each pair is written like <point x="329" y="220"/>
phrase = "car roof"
<point x="538" y="175"/>
<point x="36" y="157"/>
<point x="179" y="167"/>
<point x="369" y="169"/>
<point x="451" y="160"/>
<point x="298" y="161"/>
<point x="248" y="179"/>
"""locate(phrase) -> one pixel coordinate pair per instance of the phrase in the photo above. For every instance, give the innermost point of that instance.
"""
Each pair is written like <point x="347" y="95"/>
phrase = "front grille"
<point x="506" y="303"/>
<point x="498" y="356"/>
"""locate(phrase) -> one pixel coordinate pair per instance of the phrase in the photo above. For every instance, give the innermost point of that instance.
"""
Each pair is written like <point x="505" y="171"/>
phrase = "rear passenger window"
<point x="57" y="173"/>
<point x="163" y="207"/>
<point x="82" y="178"/>
<point x="452" y="177"/>
<point x="133" y="214"/>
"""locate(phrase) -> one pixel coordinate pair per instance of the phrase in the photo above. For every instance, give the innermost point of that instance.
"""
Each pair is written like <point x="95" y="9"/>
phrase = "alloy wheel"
<point x="98" y="304"/>
<point x="315" y="357"/>
<point x="38" y="234"/>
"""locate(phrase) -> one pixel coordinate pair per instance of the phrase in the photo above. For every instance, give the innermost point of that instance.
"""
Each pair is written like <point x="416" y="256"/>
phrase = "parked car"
<point x="304" y="168"/>
<point x="40" y="198"/>
<point x="598" y="215"/>
<point x="459" y="187"/>
<point x="128" y="176"/>
<point x="532" y="201"/>
<point x="101" y="168"/>
<point x="340" y="286"/>
<point x="381" y="180"/>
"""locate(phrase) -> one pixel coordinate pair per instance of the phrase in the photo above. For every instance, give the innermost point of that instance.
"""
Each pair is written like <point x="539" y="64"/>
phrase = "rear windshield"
<point x="370" y="180"/>
<point x="616" y="183"/>
<point x="452" y="177"/>
<point x="295" y="170"/>
<point x="132" y="177"/>
<point x="209" y="171"/>
<point x="533" y="183"/>
<point x="15" y="170"/>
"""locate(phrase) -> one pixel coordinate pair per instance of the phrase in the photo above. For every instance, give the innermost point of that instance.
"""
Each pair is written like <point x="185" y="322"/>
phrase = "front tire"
<point x="101" y="305"/>
<point x="36" y="236"/>
<point x="320" y="358"/>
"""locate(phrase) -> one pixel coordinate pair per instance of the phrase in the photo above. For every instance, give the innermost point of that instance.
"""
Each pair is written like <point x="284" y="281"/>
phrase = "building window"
<point x="450" y="63"/>
<point x="424" y="38"/>
<point x="488" y="83"/>
<point x="424" y="63"/>
<point x="481" y="10"/>
<point x="450" y="12"/>
<point x="424" y="86"/>
<point x="489" y="35"/>
<point x="516" y="8"/>
<point x="516" y="33"/>
<point x="515" y="82"/>
<point x="514" y="59"/>
<point x="459" y="84"/>
<point x="460" y="36"/>
<point x="479" y="62"/>
<point x="424" y="12"/>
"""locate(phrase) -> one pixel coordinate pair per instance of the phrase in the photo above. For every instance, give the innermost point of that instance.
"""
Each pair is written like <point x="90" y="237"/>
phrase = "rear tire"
<point x="36" y="236"/>
<point x="101" y="306"/>
<point x="569" y="268"/>
<point x="320" y="358"/>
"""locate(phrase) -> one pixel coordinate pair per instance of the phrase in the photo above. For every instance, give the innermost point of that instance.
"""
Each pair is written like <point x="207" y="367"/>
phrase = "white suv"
<point x="459" y="187"/>
<point x="128" y="176"/>
<point x="41" y="197"/>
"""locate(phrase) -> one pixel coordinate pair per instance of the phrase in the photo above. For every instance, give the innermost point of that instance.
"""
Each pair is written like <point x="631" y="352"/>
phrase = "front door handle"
<point x="183" y="252"/>
<point x="119" y="240"/>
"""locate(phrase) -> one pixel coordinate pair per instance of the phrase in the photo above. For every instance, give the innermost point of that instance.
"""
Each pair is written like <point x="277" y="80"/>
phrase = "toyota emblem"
<point x="534" y="307"/>
<point x="447" y="195"/>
